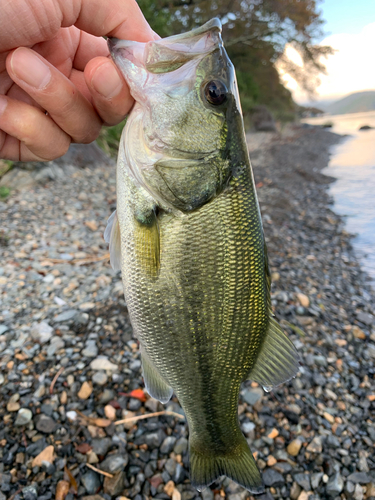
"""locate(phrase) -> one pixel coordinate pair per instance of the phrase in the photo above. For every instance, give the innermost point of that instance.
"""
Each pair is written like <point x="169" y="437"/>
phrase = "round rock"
<point x="24" y="416"/>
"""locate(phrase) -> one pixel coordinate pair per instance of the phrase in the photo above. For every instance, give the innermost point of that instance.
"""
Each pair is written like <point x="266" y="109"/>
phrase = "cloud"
<point x="349" y="69"/>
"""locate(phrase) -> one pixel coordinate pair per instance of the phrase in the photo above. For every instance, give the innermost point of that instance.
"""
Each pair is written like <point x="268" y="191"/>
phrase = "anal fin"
<point x="278" y="360"/>
<point x="154" y="382"/>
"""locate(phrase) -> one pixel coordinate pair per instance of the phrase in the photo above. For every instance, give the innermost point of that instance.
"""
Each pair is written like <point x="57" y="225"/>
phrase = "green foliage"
<point x="109" y="139"/>
<point x="4" y="192"/>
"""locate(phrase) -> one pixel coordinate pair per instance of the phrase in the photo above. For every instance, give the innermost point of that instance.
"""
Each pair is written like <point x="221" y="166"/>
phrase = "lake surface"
<point x="353" y="165"/>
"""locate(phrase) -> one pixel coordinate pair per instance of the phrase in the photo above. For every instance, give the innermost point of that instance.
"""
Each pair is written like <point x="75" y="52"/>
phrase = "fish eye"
<point x="215" y="92"/>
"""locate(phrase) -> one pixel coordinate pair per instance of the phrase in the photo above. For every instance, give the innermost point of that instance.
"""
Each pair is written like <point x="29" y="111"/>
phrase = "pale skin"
<point x="57" y="83"/>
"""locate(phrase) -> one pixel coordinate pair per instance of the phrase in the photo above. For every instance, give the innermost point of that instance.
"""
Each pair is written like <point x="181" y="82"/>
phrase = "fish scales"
<point x="189" y="239"/>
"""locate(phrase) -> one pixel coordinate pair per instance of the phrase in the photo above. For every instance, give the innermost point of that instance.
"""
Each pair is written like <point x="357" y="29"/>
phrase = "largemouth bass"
<point x="188" y="237"/>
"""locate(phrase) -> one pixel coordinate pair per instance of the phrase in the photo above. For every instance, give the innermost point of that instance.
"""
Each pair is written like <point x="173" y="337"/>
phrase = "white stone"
<point x="41" y="332"/>
<point x="103" y="363"/>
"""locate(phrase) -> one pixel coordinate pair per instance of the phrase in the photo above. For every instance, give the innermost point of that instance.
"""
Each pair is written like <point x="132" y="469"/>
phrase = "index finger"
<point x="119" y="18"/>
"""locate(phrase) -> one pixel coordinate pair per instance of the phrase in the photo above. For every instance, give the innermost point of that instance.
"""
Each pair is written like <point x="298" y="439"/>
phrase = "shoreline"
<point x="313" y="437"/>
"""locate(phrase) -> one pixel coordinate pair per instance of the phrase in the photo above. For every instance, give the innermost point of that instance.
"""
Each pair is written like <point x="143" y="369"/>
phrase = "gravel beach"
<point x="70" y="371"/>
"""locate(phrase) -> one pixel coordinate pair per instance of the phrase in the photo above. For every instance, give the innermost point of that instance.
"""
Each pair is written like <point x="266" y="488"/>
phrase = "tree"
<point x="255" y="34"/>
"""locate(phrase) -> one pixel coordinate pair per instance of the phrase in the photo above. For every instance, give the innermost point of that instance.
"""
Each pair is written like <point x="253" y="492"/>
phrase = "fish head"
<point x="176" y="138"/>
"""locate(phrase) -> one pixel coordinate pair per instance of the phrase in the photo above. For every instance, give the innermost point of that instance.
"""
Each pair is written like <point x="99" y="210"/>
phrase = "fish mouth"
<point x="167" y="54"/>
<point x="213" y="25"/>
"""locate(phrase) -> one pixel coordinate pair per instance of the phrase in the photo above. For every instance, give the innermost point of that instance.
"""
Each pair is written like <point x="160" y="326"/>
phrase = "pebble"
<point x="168" y="445"/>
<point x="110" y="412"/>
<point x="303" y="299"/>
<point x="47" y="455"/>
<point x="42" y="332"/>
<point x="359" y="477"/>
<point x="56" y="344"/>
<point x="91" y="349"/>
<point x="303" y="480"/>
<point x="181" y="446"/>
<point x="45" y="424"/>
<point x="114" y="463"/>
<point x="100" y="378"/>
<point x="294" y="447"/>
<point x="358" y="333"/>
<point x="103" y="363"/>
<point x="114" y="485"/>
<point x="335" y="485"/>
<point x="315" y="446"/>
<point x="65" y="316"/>
<point x="91" y="481"/>
<point x="85" y="391"/>
<point x="252" y="396"/>
<point x="24" y="416"/>
<point x="273" y="478"/>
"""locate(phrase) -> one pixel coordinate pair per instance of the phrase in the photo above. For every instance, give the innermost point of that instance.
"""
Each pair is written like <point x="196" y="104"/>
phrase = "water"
<point x="353" y="165"/>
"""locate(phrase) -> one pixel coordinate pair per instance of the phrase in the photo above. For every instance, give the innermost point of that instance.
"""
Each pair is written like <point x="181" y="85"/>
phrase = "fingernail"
<point x="106" y="81"/>
<point x="28" y="67"/>
<point x="3" y="104"/>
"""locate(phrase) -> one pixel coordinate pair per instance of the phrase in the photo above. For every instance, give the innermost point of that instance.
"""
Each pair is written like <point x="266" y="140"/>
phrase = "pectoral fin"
<point x="113" y="237"/>
<point x="278" y="360"/>
<point x="154" y="382"/>
<point x="147" y="244"/>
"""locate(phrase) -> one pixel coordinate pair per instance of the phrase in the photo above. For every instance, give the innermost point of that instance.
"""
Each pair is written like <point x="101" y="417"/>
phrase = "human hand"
<point x="57" y="84"/>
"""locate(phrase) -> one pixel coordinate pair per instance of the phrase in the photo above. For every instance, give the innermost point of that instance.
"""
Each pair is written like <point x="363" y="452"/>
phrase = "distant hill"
<point x="353" y="103"/>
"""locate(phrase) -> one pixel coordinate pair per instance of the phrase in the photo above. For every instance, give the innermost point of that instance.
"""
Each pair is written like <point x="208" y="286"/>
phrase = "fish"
<point x="188" y="237"/>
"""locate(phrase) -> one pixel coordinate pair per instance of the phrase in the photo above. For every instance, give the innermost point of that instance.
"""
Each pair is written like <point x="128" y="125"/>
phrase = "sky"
<point x="350" y="29"/>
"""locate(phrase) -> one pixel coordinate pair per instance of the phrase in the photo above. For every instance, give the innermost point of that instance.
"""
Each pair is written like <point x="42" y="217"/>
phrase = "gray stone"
<point x="3" y="329"/>
<point x="252" y="396"/>
<point x="30" y="492"/>
<point x="100" y="378"/>
<point x="332" y="441"/>
<point x="154" y="439"/>
<point x="335" y="485"/>
<point x="303" y="480"/>
<point x="56" y="344"/>
<point x="45" y="424"/>
<point x="181" y="446"/>
<point x="371" y="350"/>
<point x="91" y="481"/>
<point x="170" y="466"/>
<point x="167" y="445"/>
<point x="360" y="477"/>
<point x="366" y="319"/>
<point x="207" y="494"/>
<point x="24" y="416"/>
<point x="315" y="479"/>
<point x="273" y="478"/>
<point x="101" y="446"/>
<point x="65" y="316"/>
<point x="2" y="379"/>
<point x="91" y="349"/>
<point x="248" y="427"/>
<point x="320" y="360"/>
<point x="114" y="463"/>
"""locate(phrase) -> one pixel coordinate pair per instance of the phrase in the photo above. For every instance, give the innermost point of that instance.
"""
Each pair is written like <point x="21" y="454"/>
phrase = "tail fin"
<point x="238" y="465"/>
